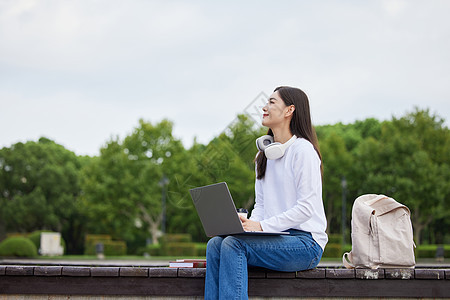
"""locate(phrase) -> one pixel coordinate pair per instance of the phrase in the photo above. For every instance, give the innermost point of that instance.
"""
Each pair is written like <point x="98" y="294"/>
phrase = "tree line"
<point x="138" y="187"/>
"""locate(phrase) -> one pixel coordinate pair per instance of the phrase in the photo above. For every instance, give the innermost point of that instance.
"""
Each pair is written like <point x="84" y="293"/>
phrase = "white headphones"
<point x="273" y="150"/>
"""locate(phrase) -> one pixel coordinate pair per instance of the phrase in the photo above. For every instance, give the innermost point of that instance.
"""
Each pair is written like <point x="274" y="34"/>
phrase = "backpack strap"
<point x="347" y="260"/>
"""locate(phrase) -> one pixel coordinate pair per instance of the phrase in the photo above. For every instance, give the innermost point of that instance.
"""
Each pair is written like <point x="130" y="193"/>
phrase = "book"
<point x="188" y="263"/>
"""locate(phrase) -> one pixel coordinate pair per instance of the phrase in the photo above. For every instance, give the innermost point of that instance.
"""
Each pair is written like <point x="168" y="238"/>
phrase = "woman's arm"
<point x="258" y="209"/>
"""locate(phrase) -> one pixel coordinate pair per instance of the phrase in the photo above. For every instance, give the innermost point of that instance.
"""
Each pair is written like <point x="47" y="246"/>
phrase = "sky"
<point x="84" y="72"/>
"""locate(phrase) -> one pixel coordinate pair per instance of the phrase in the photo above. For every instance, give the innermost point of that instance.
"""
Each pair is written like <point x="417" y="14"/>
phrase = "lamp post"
<point x="163" y="183"/>
<point x="344" y="208"/>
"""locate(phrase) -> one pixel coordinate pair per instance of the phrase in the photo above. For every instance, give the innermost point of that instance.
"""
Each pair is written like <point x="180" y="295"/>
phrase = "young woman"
<point x="288" y="192"/>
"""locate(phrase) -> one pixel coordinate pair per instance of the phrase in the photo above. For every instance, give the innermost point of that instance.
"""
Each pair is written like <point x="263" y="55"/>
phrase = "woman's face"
<point x="274" y="112"/>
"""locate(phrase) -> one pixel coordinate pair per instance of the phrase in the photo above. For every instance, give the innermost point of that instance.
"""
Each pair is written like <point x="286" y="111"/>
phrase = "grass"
<point x="126" y="257"/>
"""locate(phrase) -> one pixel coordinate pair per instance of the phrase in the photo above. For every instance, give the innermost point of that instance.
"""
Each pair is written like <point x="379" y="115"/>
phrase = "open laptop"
<point x="217" y="211"/>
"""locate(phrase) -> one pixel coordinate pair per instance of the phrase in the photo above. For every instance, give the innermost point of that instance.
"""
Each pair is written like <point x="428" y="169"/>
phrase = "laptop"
<point x="217" y="211"/>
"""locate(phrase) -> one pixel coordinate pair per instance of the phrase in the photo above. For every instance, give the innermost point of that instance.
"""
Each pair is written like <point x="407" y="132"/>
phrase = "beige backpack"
<point x="382" y="234"/>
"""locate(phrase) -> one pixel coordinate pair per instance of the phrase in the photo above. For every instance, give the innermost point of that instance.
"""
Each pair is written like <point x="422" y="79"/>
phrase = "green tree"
<point x="43" y="186"/>
<point x="410" y="162"/>
<point x="338" y="145"/>
<point x="39" y="189"/>
<point x="337" y="163"/>
<point x="125" y="188"/>
<point x="230" y="158"/>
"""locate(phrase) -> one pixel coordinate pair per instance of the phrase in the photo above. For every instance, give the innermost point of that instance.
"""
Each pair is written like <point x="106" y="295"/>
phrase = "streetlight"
<point x="344" y="208"/>
<point x="164" y="182"/>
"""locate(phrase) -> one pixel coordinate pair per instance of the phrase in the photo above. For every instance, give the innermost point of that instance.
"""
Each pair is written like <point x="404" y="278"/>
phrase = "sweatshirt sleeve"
<point x="258" y="209"/>
<point x="308" y="184"/>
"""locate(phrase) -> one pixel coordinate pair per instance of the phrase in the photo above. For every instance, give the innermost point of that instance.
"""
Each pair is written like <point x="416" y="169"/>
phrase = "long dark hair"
<point x="300" y="125"/>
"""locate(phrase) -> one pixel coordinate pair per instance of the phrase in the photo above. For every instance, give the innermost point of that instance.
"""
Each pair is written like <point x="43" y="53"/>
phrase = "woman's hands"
<point x="250" y="225"/>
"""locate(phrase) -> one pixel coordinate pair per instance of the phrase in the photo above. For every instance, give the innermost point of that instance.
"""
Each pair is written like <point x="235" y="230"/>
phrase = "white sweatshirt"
<point x="290" y="194"/>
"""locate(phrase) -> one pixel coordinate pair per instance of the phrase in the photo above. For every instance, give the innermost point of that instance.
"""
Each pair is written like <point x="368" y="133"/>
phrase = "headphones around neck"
<point x="273" y="150"/>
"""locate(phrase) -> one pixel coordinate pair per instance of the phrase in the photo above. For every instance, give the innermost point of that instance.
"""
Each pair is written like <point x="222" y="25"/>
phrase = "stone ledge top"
<point x="166" y="272"/>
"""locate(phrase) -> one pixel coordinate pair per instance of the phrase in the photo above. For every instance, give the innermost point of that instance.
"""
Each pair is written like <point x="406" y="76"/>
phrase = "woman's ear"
<point x="290" y="110"/>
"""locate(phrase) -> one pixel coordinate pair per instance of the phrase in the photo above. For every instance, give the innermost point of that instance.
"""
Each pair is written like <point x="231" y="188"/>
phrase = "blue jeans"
<point x="228" y="257"/>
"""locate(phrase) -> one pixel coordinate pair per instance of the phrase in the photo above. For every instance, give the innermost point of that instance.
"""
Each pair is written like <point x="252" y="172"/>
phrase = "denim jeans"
<point x="228" y="257"/>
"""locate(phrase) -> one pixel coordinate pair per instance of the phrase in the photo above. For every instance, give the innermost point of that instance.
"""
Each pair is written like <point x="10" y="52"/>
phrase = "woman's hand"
<point x="250" y="225"/>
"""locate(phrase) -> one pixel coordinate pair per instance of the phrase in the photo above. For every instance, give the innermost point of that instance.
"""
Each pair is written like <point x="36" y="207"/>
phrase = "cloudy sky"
<point x="81" y="72"/>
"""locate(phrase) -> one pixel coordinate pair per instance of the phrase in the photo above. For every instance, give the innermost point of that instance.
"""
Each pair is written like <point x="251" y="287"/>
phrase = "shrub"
<point x="94" y="239"/>
<point x="110" y="247"/>
<point x="152" y="250"/>
<point x="18" y="246"/>
<point x="200" y="249"/>
<point x="429" y="251"/>
<point x="346" y="248"/>
<point x="17" y="234"/>
<point x="333" y="250"/>
<point x="35" y="237"/>
<point x="115" y="248"/>
<point x="425" y="251"/>
<point x="175" y="238"/>
<point x="177" y="244"/>
<point x="180" y="249"/>
<point x="335" y="238"/>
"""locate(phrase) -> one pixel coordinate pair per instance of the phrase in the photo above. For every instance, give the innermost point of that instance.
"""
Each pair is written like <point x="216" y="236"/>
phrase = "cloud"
<point x="199" y="63"/>
<point x="394" y="7"/>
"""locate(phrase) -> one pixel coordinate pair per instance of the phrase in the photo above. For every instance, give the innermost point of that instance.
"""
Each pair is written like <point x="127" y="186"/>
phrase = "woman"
<point x="288" y="192"/>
